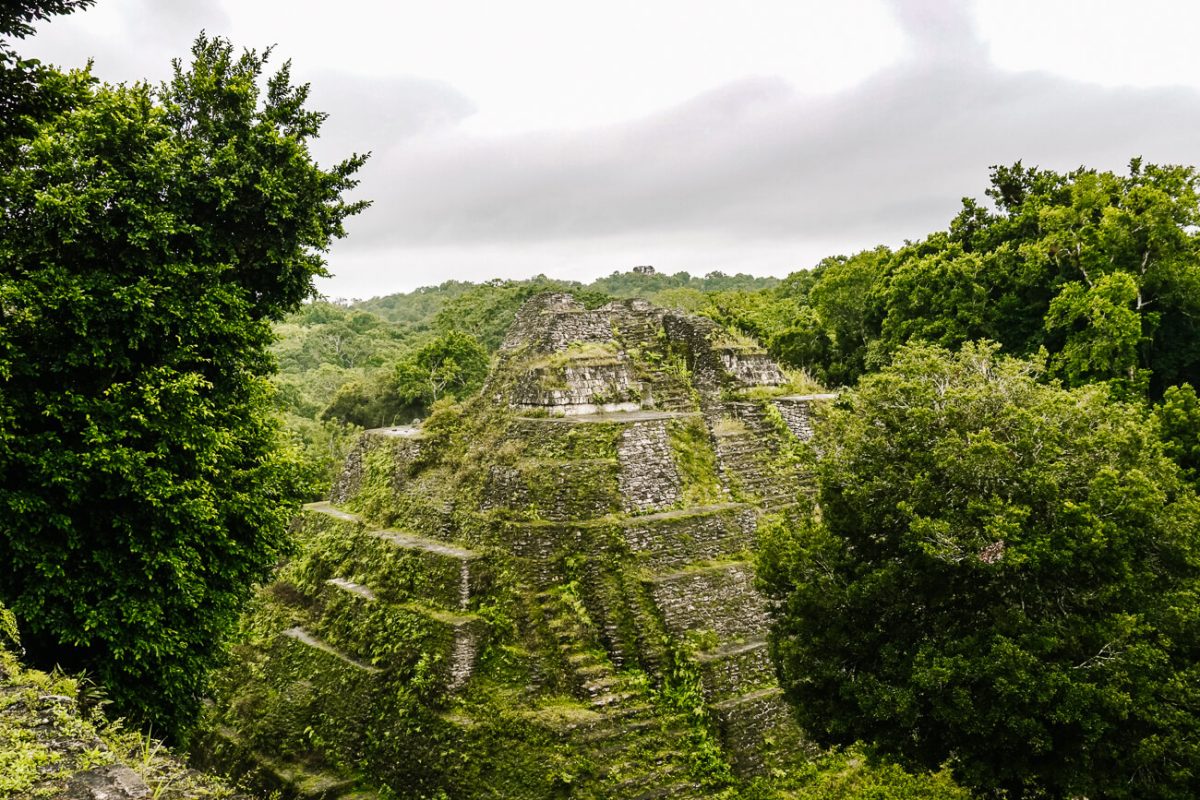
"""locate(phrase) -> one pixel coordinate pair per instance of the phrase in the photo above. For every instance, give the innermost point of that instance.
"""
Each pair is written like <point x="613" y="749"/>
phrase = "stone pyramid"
<point x="545" y="592"/>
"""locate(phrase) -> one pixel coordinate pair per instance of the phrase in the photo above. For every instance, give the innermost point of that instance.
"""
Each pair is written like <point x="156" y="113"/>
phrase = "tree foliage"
<point x="1099" y="269"/>
<point x="1179" y="425"/>
<point x="150" y="238"/>
<point x="28" y="90"/>
<point x="1003" y="575"/>
<point x="453" y="364"/>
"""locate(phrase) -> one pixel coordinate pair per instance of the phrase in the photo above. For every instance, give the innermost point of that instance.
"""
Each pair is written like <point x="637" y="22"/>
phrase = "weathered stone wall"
<point x="578" y="388"/>
<point x="554" y="489"/>
<point x="551" y="322"/>
<point x="719" y="599"/>
<point x="757" y="729"/>
<point x="750" y="367"/>
<point x="637" y="324"/>
<point x="736" y="669"/>
<point x="405" y="446"/>
<point x="797" y="412"/>
<point x="649" y="480"/>
<point x="693" y="336"/>
<point x="542" y="546"/>
<point x="670" y="541"/>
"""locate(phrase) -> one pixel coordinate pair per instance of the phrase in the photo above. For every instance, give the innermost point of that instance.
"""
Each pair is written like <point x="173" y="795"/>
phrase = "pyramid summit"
<point x="545" y="591"/>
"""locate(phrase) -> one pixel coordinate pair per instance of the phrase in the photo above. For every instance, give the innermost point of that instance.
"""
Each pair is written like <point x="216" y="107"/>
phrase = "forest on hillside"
<point x="349" y="365"/>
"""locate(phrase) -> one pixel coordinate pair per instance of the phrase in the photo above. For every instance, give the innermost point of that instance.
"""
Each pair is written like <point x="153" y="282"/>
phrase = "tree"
<point x="150" y="238"/>
<point x="1102" y="332"/>
<point x="1003" y="574"/>
<point x="1178" y="419"/>
<point x="29" y="91"/>
<point x="452" y="364"/>
<point x="842" y="299"/>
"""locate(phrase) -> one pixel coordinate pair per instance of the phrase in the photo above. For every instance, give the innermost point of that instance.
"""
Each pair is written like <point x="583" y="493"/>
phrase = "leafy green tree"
<point x="1102" y="331"/>
<point x="373" y="402"/>
<point x="1100" y="269"/>
<point x="1003" y="575"/>
<point x="1179" y="425"/>
<point x="843" y="300"/>
<point x="150" y="239"/>
<point x="454" y="364"/>
<point x="28" y="90"/>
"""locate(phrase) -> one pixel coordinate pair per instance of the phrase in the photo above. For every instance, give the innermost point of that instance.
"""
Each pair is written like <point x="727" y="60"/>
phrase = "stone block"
<point x="796" y="411"/>
<point x="582" y="387"/>
<point x="736" y="669"/>
<point x="759" y="732"/>
<point x="720" y="598"/>
<point x="555" y="490"/>
<point x="747" y="367"/>
<point x="649" y="479"/>
<point x="670" y="540"/>
<point x="404" y="448"/>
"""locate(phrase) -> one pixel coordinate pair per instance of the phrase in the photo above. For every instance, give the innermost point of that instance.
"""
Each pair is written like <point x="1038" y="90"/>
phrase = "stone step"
<point x="746" y="448"/>
<point x="658" y="777"/>
<point x="758" y="727"/>
<point x="609" y="699"/>
<point x="444" y="573"/>
<point x="602" y="685"/>
<point x="670" y="540"/>
<point x="305" y="783"/>
<point x="329" y="510"/>
<point x="608" y="417"/>
<point x="402" y="539"/>
<point x="735" y="669"/>
<point x="594" y="676"/>
<point x="592" y="668"/>
<point x="342" y="626"/>
<point x="308" y="640"/>
<point x="353" y="588"/>
<point x="411" y="541"/>
<point x="681" y="789"/>
<point x="623" y="728"/>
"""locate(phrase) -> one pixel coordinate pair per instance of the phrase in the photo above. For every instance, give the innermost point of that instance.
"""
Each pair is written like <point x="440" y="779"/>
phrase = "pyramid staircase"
<point x="565" y="605"/>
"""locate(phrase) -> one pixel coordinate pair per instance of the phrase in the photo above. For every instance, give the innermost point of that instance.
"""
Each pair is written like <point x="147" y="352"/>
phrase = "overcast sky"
<point x="577" y="138"/>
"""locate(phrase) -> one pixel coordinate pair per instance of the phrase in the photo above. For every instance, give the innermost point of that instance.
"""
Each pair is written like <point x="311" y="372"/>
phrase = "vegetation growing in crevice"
<point x="696" y="462"/>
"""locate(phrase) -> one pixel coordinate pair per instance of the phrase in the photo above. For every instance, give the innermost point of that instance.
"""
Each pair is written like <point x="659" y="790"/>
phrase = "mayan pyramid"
<point x="545" y="592"/>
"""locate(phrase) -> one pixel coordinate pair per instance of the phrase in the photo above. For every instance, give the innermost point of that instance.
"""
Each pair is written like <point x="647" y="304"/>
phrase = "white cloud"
<point x="1140" y="43"/>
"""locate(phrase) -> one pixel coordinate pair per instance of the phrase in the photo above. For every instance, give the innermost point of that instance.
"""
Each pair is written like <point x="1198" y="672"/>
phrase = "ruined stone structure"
<point x="547" y="592"/>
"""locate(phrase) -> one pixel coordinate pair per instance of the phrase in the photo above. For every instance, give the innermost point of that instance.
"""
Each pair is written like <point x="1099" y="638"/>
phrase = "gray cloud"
<point x="755" y="160"/>
<point x="938" y="30"/>
<point x="154" y="33"/>
<point x="373" y="114"/>
<point x="750" y="171"/>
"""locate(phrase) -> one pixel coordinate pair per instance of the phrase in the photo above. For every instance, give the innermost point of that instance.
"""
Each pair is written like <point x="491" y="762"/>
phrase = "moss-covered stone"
<point x="50" y="748"/>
